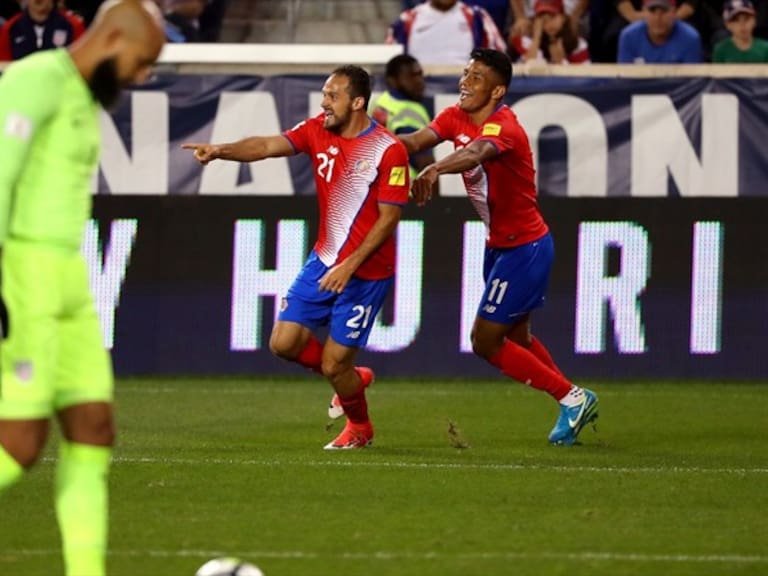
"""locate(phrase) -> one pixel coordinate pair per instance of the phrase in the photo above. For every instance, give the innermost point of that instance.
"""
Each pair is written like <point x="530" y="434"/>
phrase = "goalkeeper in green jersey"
<point x="52" y="357"/>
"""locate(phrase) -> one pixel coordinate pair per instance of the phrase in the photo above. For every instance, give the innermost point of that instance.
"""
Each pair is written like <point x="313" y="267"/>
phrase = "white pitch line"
<point x="437" y="465"/>
<point x="429" y="555"/>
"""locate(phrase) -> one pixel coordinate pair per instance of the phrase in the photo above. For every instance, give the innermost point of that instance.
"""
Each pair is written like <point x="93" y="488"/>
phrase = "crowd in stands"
<point x="438" y="32"/>
<point x="583" y="31"/>
<point x="27" y="26"/>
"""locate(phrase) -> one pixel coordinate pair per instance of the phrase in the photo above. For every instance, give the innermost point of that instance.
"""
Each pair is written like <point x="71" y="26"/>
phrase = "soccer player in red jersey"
<point x="494" y="157"/>
<point x="361" y="175"/>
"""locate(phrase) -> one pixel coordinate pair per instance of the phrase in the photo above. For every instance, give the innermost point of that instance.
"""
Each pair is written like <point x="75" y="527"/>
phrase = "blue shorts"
<point x="516" y="280"/>
<point x="350" y="314"/>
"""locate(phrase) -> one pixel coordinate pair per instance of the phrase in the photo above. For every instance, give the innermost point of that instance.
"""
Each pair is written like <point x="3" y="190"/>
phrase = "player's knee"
<point x="90" y="426"/>
<point x="482" y="346"/>
<point x="99" y="433"/>
<point x="104" y="433"/>
<point x="479" y="348"/>
<point x="26" y="450"/>
<point x="332" y="369"/>
<point x="282" y="348"/>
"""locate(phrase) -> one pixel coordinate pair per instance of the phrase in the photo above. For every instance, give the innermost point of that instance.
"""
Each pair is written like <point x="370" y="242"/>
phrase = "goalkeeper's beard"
<point x="104" y="83"/>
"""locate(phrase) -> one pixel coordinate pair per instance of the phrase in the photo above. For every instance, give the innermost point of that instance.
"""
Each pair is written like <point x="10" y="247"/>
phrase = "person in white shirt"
<point x="444" y="32"/>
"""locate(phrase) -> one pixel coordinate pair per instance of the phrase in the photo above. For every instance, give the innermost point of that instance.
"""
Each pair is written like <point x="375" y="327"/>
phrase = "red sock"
<point x="356" y="406"/>
<point x="520" y="364"/>
<point x="540" y="351"/>
<point x="312" y="355"/>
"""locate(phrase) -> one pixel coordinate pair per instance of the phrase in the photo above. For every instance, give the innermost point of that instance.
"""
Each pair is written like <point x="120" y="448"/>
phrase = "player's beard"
<point x="337" y="122"/>
<point x="105" y="84"/>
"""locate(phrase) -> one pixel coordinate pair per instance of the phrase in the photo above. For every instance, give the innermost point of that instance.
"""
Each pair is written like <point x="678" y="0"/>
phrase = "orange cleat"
<point x="353" y="436"/>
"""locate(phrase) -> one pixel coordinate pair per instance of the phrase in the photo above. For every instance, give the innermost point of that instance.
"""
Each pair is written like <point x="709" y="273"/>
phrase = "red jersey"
<point x="502" y="189"/>
<point x="352" y="176"/>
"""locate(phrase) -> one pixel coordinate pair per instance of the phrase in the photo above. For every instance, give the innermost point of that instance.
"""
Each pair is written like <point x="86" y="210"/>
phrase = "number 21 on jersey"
<point x="325" y="169"/>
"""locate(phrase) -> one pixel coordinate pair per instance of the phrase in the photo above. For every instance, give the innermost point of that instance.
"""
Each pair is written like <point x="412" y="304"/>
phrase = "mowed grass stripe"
<point x="434" y="465"/>
<point x="390" y="555"/>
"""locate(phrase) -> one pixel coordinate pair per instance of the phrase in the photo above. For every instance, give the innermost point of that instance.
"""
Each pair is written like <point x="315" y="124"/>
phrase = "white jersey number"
<point x="325" y="170"/>
<point x="361" y="318"/>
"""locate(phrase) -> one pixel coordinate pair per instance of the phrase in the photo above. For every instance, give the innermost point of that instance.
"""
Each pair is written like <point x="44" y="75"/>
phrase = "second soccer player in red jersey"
<point x="361" y="175"/>
<point x="494" y="157"/>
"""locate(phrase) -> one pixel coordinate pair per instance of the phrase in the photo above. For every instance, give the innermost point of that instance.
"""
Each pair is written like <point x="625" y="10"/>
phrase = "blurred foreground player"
<point x="53" y="357"/>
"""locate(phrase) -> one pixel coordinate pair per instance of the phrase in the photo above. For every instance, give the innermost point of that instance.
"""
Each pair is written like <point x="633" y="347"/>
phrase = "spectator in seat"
<point x="607" y="18"/>
<point x="554" y="39"/>
<point x="523" y="15"/>
<point x="660" y="37"/>
<point x="183" y="17"/>
<point x="39" y="26"/>
<point x="742" y="47"/>
<point x="444" y="32"/>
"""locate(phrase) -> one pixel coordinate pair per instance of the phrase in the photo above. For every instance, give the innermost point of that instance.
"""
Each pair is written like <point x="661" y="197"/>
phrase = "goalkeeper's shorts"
<point x="55" y="356"/>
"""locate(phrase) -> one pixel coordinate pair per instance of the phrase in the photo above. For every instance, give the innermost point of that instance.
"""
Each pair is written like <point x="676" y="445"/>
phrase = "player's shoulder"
<point x="504" y="116"/>
<point x="384" y="136"/>
<point x="311" y="123"/>
<point x="40" y="71"/>
<point x="309" y="128"/>
<point x="453" y="111"/>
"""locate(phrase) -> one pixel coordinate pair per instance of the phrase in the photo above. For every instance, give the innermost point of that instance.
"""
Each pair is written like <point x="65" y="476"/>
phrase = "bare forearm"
<point x="245" y="150"/>
<point x="458" y="161"/>
<point x="382" y="229"/>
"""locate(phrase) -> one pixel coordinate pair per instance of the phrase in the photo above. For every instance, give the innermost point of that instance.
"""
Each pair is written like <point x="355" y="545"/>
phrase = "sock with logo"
<point x="312" y="355"/>
<point x="540" y="351"/>
<point x="520" y="364"/>
<point x="10" y="470"/>
<point x="82" y="507"/>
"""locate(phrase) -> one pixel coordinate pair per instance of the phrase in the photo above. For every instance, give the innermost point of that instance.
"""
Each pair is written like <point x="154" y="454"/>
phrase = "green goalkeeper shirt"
<point x="49" y="149"/>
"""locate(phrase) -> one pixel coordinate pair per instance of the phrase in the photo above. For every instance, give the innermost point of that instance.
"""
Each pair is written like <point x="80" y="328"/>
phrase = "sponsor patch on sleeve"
<point x="18" y="126"/>
<point x="397" y="176"/>
<point x="491" y="130"/>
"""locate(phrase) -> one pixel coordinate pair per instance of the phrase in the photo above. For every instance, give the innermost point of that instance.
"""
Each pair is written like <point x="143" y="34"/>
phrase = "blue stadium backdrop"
<point x="654" y="189"/>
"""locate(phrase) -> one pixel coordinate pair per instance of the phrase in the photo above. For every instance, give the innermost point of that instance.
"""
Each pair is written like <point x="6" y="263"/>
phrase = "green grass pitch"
<point x="674" y="482"/>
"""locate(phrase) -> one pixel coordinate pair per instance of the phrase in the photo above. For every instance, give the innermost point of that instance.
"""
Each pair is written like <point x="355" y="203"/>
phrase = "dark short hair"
<point x="496" y="61"/>
<point x="398" y="63"/>
<point x="359" y="82"/>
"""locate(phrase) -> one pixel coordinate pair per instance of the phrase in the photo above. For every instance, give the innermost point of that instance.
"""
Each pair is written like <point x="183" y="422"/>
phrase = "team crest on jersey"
<point x="283" y="304"/>
<point x="24" y="371"/>
<point x="333" y="150"/>
<point x="18" y="126"/>
<point x="491" y="130"/>
<point x="59" y="38"/>
<point x="463" y="138"/>
<point x="362" y="166"/>
<point x="397" y="176"/>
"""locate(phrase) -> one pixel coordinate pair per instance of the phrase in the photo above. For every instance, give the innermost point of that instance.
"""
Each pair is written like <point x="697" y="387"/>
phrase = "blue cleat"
<point x="573" y="418"/>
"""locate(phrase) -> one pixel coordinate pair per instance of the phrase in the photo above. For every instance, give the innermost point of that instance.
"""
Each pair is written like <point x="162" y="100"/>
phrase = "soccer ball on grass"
<point x="228" y="567"/>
